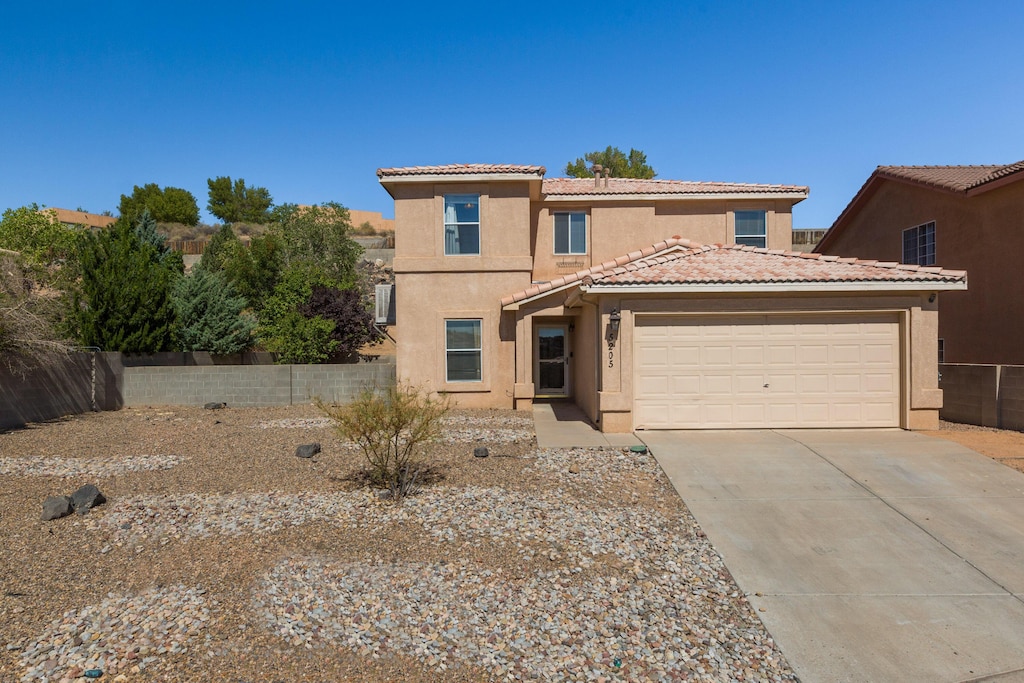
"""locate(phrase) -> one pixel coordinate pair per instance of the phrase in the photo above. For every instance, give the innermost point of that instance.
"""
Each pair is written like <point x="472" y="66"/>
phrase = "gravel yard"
<point x="219" y="555"/>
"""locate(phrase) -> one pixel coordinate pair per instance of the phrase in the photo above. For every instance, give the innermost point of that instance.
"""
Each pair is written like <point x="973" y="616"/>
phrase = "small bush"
<point x="391" y="427"/>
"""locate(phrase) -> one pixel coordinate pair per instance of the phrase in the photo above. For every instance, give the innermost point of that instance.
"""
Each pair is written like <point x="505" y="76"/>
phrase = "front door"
<point x="552" y="361"/>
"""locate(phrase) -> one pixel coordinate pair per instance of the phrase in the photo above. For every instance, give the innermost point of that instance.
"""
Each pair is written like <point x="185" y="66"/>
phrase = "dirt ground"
<point x="1004" y="445"/>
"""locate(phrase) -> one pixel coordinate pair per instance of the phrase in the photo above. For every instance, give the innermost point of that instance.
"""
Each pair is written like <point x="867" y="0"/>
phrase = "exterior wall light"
<point x="614" y="318"/>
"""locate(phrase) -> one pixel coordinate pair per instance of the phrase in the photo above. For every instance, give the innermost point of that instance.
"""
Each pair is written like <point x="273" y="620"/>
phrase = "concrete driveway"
<point x="876" y="555"/>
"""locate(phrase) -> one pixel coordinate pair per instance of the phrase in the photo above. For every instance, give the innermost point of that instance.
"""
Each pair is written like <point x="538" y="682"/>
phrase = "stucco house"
<point x="652" y="304"/>
<point x="964" y="217"/>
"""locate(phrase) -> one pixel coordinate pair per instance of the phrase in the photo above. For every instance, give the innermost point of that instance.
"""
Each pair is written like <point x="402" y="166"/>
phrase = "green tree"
<point x="284" y="330"/>
<point x="124" y="299"/>
<point x="220" y="249"/>
<point x="147" y="233"/>
<point x="38" y="236"/>
<point x="353" y="322"/>
<point x="256" y="271"/>
<point x="167" y="205"/>
<point x="614" y="162"/>
<point x="210" y="315"/>
<point x="319" y="235"/>
<point x="237" y="203"/>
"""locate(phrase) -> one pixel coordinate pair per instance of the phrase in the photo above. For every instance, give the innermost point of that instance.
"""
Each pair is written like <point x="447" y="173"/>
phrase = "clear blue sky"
<point x="309" y="99"/>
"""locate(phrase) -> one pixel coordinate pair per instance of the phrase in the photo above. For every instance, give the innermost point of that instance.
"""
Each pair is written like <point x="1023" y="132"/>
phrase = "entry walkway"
<point x="870" y="555"/>
<point x="561" y="424"/>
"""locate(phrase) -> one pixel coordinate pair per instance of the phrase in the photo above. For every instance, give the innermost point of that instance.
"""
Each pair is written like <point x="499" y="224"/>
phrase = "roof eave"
<point x="459" y="178"/>
<point x="778" y="287"/>
<point x="630" y="196"/>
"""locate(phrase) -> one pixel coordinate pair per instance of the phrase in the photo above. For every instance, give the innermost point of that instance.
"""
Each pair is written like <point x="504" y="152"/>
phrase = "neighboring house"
<point x="805" y="239"/>
<point x="82" y="219"/>
<point x="964" y="217"/>
<point x="374" y="218"/>
<point x="511" y="287"/>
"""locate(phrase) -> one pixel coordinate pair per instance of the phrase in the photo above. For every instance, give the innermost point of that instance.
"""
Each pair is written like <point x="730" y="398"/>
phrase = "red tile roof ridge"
<point x="607" y="265"/>
<point x="461" y="169"/>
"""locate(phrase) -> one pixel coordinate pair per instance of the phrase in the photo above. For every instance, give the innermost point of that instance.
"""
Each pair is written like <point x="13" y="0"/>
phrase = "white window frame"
<point x="457" y="224"/>
<point x="923" y="251"/>
<point x="477" y="350"/>
<point x="568" y="227"/>
<point x="763" y="236"/>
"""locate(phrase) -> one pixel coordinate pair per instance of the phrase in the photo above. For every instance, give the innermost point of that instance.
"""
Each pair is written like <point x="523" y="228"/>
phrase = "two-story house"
<point x="965" y="217"/>
<point x="651" y="304"/>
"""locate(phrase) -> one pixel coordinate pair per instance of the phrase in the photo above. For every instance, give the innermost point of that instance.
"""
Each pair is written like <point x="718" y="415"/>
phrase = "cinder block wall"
<point x="969" y="394"/>
<point x="1011" y="397"/>
<point x="250" y="385"/>
<point x="63" y="388"/>
<point x="69" y="387"/>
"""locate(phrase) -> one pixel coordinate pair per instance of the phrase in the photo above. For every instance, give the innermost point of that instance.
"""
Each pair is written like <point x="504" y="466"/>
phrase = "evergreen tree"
<point x="210" y="315"/>
<point x="124" y="300"/>
<point x="145" y="229"/>
<point x="614" y="162"/>
<point x="221" y="248"/>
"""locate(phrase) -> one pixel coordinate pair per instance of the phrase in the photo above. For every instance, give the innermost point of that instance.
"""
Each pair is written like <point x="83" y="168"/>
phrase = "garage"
<point x="767" y="371"/>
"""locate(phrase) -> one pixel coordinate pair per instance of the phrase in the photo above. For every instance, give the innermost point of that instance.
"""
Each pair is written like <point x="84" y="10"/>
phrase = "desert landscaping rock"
<point x="510" y="567"/>
<point x="86" y="498"/>
<point x="77" y="467"/>
<point x="215" y="405"/>
<point x="307" y="450"/>
<point x="480" y="452"/>
<point x="55" y="507"/>
<point x="117" y="634"/>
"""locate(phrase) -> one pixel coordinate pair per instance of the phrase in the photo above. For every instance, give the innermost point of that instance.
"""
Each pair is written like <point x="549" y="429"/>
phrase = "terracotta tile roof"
<point x="955" y="178"/>
<point x="460" y="169"/>
<point x="678" y="261"/>
<point x="552" y="285"/>
<point x="586" y="186"/>
<point x="736" y="264"/>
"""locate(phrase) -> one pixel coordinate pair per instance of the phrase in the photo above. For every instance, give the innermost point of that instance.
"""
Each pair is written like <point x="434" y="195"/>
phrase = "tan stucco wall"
<point x="617" y="228"/>
<point x="983" y="235"/>
<point x="431" y="287"/>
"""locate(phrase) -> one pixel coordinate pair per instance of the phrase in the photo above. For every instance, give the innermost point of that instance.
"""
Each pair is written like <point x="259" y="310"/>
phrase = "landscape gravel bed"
<point x="47" y="466"/>
<point x="242" y="562"/>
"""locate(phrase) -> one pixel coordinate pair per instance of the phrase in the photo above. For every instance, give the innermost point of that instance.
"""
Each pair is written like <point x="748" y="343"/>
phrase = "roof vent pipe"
<point x="597" y="169"/>
<point x="606" y="176"/>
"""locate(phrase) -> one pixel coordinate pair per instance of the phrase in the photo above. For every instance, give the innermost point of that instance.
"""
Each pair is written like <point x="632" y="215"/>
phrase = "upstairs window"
<point x="919" y="245"/>
<point x="462" y="225"/>
<point x="751" y="228"/>
<point x="463" y="351"/>
<point x="571" y="233"/>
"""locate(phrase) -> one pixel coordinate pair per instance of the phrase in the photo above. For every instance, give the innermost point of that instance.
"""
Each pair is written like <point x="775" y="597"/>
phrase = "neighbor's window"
<point x="919" y="245"/>
<point x="461" y="224"/>
<point x="571" y="233"/>
<point x="464" y="355"/>
<point x="752" y="228"/>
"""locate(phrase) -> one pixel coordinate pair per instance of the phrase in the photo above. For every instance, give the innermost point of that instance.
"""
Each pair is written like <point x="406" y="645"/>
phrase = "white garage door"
<point x="758" y="371"/>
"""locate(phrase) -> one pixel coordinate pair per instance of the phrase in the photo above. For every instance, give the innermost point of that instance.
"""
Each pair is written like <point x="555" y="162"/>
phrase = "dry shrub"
<point x="391" y="427"/>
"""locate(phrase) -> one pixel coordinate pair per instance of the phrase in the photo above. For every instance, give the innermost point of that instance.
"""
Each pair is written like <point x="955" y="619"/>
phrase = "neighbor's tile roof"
<point x="955" y="178"/>
<point x="460" y="169"/>
<point x="679" y="261"/>
<point x="588" y="186"/>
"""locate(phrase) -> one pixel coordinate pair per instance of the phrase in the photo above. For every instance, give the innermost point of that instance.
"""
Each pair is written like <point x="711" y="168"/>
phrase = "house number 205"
<point x="611" y="354"/>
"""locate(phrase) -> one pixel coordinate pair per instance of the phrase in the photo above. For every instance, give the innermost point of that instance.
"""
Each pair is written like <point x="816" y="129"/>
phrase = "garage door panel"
<point x="721" y="385"/>
<point x="829" y="370"/>
<point x="813" y="383"/>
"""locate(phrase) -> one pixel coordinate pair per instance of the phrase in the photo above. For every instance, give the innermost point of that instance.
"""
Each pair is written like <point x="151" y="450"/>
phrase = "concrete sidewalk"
<point x="561" y="424"/>
<point x="870" y="555"/>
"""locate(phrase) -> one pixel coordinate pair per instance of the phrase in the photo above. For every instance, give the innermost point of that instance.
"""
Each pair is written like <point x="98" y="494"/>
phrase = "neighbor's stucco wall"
<point x="982" y="234"/>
